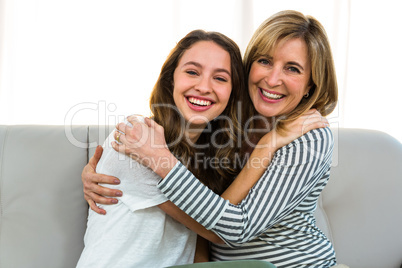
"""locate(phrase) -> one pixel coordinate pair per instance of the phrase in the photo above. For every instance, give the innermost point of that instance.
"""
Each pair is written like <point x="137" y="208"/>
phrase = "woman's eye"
<point x="263" y="61"/>
<point x="221" y="79"/>
<point x="191" y="72"/>
<point x="294" y="70"/>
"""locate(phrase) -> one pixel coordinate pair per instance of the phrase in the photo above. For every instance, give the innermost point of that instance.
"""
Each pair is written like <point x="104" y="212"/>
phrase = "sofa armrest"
<point x="362" y="201"/>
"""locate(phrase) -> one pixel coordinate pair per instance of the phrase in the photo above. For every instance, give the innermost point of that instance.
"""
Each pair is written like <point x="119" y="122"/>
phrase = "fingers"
<point x="153" y="126"/>
<point x="149" y="122"/>
<point x="95" y="178"/>
<point x="97" y="155"/>
<point x="311" y="112"/>
<point x="93" y="161"/>
<point x="119" y="136"/>
<point x="119" y="147"/>
<point x="90" y="182"/>
<point x="313" y="115"/>
<point x="121" y="127"/>
<point x="95" y="193"/>
<point x="316" y="118"/>
<point x="95" y="208"/>
<point x="103" y="195"/>
<point x="134" y="122"/>
<point x="325" y="121"/>
<point x="314" y="125"/>
<point x="135" y="118"/>
<point x="124" y="131"/>
<point x="312" y="119"/>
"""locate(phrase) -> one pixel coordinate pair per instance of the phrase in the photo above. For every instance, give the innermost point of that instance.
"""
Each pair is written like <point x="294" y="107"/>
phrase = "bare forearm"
<point x="202" y="250"/>
<point x="163" y="164"/>
<point x="173" y="211"/>
<point x="254" y="169"/>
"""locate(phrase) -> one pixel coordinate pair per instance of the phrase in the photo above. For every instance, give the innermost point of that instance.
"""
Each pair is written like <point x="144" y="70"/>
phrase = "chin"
<point x="200" y="122"/>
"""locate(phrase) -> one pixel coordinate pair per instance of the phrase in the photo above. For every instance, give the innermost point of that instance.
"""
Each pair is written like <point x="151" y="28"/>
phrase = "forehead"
<point x="208" y="54"/>
<point x="295" y="47"/>
<point x="291" y="50"/>
<point x="268" y="47"/>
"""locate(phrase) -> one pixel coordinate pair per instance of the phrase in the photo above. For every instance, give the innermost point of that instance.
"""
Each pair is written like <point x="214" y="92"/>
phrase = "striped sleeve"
<point x="290" y="178"/>
<point x="182" y="188"/>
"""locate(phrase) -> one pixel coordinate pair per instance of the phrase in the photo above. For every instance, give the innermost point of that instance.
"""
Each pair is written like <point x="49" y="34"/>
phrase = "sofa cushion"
<point x="43" y="212"/>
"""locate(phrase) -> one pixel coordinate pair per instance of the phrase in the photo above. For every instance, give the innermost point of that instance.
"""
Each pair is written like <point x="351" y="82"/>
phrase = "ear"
<point x="309" y="89"/>
<point x="307" y="92"/>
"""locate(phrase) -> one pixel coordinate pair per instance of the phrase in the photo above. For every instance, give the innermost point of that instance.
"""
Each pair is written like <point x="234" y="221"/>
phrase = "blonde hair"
<point x="285" y="25"/>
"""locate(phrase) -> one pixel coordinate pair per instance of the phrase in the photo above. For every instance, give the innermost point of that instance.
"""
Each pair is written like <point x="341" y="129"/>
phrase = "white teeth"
<point x="199" y="102"/>
<point x="270" y="95"/>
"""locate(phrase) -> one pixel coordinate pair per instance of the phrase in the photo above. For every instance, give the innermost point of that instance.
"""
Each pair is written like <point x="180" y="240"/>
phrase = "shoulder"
<point x="319" y="135"/>
<point x="324" y="134"/>
<point x="317" y="142"/>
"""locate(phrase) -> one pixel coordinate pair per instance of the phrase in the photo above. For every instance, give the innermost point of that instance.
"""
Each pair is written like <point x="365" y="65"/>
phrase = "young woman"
<point x="290" y="70"/>
<point x="201" y="80"/>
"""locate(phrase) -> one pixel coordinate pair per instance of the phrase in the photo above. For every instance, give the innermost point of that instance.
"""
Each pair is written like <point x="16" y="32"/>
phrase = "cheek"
<point x="177" y="93"/>
<point x="224" y="94"/>
<point x="298" y="87"/>
<point x="253" y="74"/>
<point x="256" y="75"/>
<point x="180" y="86"/>
<point x="296" y="96"/>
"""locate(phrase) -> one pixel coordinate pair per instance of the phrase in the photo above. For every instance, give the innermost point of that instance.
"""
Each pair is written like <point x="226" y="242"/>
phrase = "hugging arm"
<point x="197" y="205"/>
<point x="94" y="193"/>
<point x="235" y="193"/>
<point x="295" y="172"/>
<point x="136" y="142"/>
<point x="176" y="213"/>
<point x="262" y="155"/>
<point x="202" y="250"/>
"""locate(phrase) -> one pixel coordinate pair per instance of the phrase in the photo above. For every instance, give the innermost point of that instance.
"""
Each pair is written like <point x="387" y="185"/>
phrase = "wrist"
<point x="273" y="140"/>
<point x="166" y="163"/>
<point x="269" y="143"/>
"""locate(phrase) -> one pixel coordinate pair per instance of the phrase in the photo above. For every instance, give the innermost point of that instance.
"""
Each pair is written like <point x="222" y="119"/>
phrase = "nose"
<point x="274" y="77"/>
<point x="204" y="85"/>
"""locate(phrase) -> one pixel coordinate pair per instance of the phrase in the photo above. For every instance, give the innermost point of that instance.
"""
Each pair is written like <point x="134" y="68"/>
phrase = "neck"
<point x="192" y="135"/>
<point x="265" y="124"/>
<point x="262" y="125"/>
<point x="193" y="132"/>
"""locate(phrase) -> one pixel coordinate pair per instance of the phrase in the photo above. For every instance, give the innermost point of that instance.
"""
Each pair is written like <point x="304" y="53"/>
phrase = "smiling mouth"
<point x="199" y="102"/>
<point x="271" y="96"/>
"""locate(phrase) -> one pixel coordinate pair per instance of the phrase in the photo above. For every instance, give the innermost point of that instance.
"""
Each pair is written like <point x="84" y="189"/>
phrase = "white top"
<point x="134" y="232"/>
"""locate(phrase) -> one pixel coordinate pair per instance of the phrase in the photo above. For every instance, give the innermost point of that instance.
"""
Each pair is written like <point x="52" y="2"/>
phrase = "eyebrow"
<point x="200" y="66"/>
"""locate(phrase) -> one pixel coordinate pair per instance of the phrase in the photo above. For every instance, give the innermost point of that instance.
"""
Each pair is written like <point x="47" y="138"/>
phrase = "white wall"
<point x="95" y="61"/>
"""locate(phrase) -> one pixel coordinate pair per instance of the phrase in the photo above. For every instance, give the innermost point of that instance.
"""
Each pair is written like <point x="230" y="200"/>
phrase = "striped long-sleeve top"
<point x="275" y="222"/>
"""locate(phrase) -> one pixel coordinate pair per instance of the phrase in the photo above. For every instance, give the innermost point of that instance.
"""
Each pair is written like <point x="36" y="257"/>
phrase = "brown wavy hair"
<point x="289" y="24"/>
<point x="220" y="138"/>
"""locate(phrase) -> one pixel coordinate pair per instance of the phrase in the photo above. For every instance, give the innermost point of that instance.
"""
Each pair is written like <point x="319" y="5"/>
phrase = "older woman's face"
<point x="278" y="82"/>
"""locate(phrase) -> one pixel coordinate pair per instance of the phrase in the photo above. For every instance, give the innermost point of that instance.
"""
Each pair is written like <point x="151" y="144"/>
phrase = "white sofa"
<point x="43" y="211"/>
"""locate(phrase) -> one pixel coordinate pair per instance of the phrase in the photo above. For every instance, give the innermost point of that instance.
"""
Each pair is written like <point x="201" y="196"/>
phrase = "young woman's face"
<point x="202" y="82"/>
<point x="278" y="82"/>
